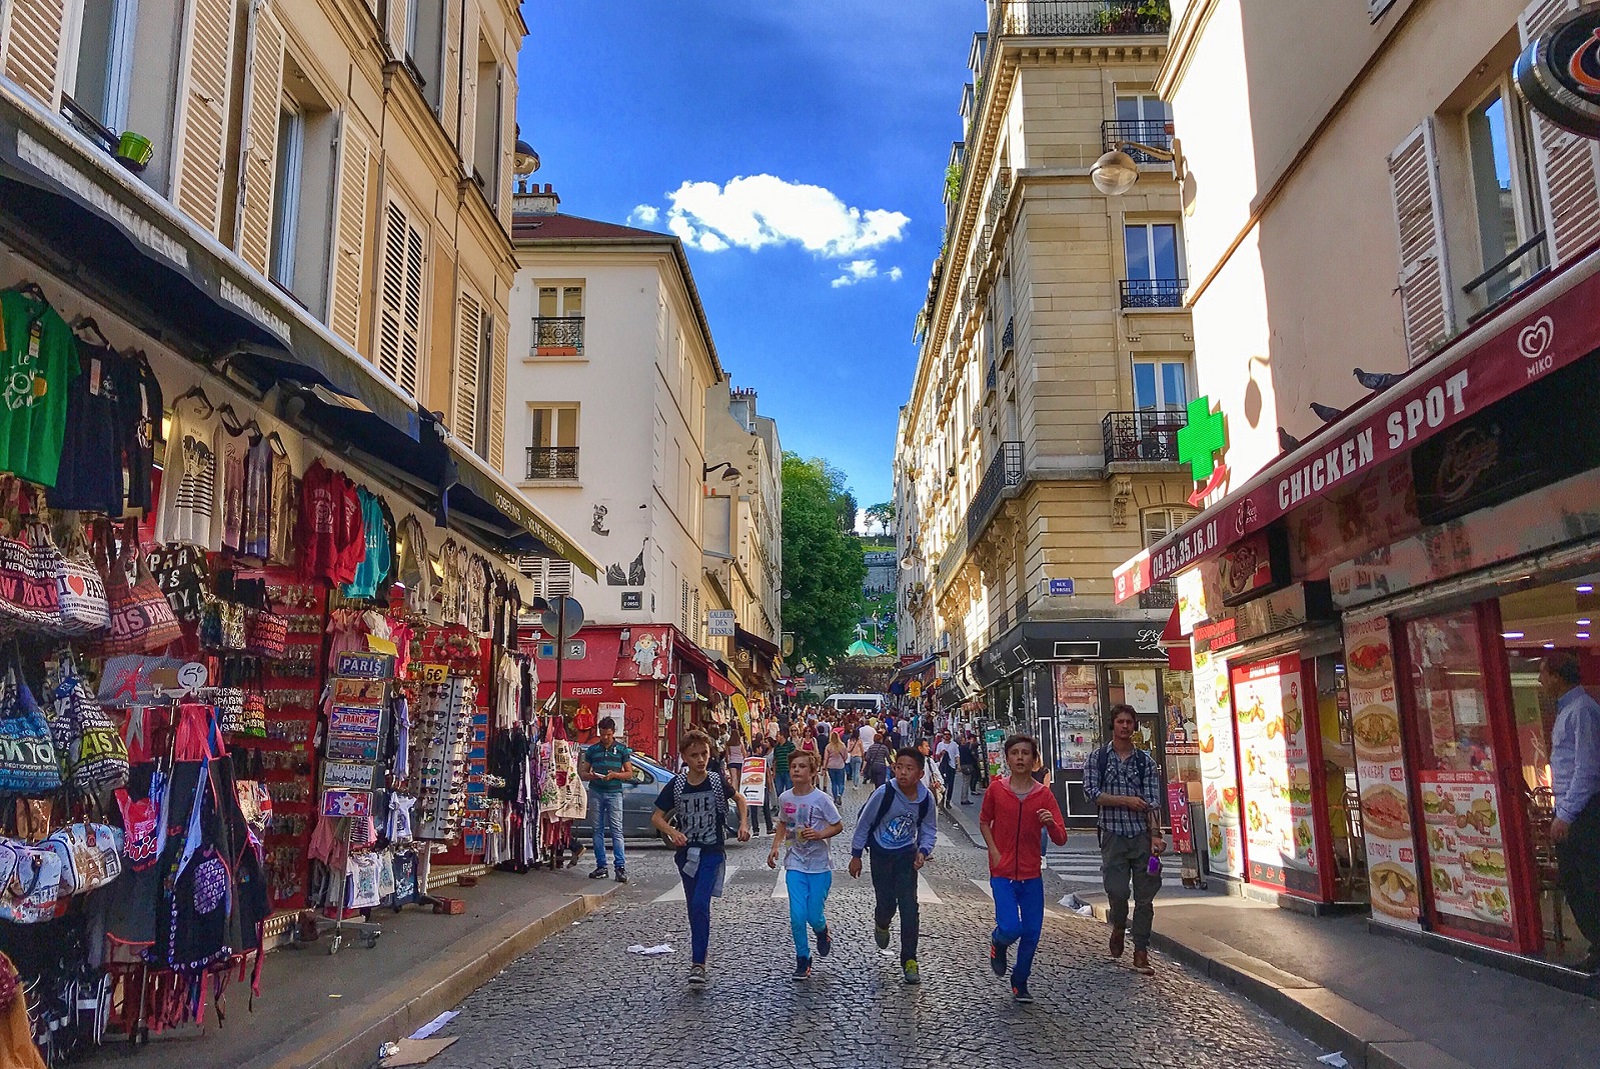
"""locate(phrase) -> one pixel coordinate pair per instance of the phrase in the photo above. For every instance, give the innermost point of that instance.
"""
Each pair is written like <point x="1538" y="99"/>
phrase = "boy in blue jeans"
<point x="813" y="819"/>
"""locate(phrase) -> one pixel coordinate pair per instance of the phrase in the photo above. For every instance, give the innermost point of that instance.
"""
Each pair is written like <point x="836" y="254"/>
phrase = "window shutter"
<point x="1567" y="163"/>
<point x="468" y="330"/>
<point x="1427" y="308"/>
<point x="33" y="34"/>
<point x="400" y="299"/>
<point x="394" y="24"/>
<point x="203" y="113"/>
<point x="263" y="90"/>
<point x="498" y="356"/>
<point x="350" y="233"/>
<point x="500" y="195"/>
<point x="558" y="578"/>
<point x="469" y="86"/>
<point x="450" y="73"/>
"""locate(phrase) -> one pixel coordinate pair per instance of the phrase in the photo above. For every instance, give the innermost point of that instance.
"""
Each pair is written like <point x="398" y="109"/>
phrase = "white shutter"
<point x="469" y="86"/>
<point x="464" y="424"/>
<point x="501" y="195"/>
<point x="394" y="24"/>
<point x="350" y="233"/>
<point x="450" y="69"/>
<point x="31" y="36"/>
<point x="263" y="91"/>
<point x="498" y="355"/>
<point x="202" y="125"/>
<point x="400" y="299"/>
<point x="1427" y="307"/>
<point x="558" y="578"/>
<point x="1568" y="164"/>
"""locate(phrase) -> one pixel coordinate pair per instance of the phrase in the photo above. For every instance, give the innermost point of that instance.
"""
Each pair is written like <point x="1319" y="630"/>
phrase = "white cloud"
<point x="644" y="215"/>
<point x="895" y="274"/>
<point x="856" y="271"/>
<point x="759" y="210"/>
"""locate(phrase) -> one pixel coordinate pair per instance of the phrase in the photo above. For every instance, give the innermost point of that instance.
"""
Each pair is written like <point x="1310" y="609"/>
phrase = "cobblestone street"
<point x="580" y="999"/>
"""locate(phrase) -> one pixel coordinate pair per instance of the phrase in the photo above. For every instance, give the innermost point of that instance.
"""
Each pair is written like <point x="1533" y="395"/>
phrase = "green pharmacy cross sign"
<point x="1201" y="438"/>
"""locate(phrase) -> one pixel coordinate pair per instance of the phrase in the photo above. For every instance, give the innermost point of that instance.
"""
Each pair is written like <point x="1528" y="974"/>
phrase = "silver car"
<point x="639" y="803"/>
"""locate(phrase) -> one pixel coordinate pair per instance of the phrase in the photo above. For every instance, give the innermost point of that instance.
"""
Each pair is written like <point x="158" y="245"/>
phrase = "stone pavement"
<point x="579" y="999"/>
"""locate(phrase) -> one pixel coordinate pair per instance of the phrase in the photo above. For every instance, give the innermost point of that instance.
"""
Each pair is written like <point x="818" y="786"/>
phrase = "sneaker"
<point x="824" y="943"/>
<point x="912" y="974"/>
<point x="881" y="937"/>
<point x="1116" y="942"/>
<point x="1141" y="963"/>
<point x="1020" y="993"/>
<point x="997" y="958"/>
<point x="802" y="968"/>
<point x="599" y="874"/>
<point x="622" y="875"/>
<point x="697" y="975"/>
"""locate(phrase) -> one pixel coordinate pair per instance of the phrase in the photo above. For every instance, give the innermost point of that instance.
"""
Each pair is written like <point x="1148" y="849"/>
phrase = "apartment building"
<point x="1039" y="440"/>
<point x="1394" y="283"/>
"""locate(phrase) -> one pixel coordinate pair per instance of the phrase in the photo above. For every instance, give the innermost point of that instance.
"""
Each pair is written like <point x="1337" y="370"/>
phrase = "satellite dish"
<point x="553" y="624"/>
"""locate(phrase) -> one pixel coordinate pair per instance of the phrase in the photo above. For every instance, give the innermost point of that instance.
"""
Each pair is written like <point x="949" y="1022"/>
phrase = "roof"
<point x="531" y="229"/>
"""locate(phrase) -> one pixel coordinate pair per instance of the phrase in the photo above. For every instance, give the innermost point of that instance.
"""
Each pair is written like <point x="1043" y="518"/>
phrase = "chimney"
<point x="534" y="201"/>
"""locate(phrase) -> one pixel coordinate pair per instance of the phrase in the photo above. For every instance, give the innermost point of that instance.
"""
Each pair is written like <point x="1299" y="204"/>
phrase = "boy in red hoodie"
<point x="1015" y="812"/>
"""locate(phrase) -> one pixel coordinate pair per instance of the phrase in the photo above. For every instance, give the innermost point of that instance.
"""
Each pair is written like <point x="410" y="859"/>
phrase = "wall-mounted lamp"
<point x="730" y="476"/>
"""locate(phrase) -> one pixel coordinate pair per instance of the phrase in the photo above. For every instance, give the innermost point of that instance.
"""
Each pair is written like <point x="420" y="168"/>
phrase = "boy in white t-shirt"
<point x="810" y="815"/>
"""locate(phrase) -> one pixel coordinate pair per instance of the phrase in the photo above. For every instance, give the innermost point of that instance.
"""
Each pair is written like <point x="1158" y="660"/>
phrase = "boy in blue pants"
<point x="813" y="819"/>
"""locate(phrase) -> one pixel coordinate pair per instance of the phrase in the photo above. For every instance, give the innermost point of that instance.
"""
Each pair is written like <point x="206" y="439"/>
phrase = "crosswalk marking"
<point x="677" y="895"/>
<point x="925" y="892"/>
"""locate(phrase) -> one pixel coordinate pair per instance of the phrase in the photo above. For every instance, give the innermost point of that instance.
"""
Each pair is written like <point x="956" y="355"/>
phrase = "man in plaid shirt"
<point x="1124" y="783"/>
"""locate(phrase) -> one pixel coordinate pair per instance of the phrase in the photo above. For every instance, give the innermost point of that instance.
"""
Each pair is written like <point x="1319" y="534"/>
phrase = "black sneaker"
<point x="802" y="968"/>
<point x="599" y="874"/>
<point x="997" y="958"/>
<point x="697" y="975"/>
<point x="622" y="875"/>
<point x="824" y="943"/>
<point x="1020" y="993"/>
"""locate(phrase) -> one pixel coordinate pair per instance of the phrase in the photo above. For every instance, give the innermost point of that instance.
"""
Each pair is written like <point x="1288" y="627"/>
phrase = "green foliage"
<point x="881" y="514"/>
<point x="822" y="565"/>
<point x="952" y="186"/>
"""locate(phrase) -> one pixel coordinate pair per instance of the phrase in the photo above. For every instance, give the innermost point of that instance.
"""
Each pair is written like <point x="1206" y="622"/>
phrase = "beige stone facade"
<point x="1037" y="443"/>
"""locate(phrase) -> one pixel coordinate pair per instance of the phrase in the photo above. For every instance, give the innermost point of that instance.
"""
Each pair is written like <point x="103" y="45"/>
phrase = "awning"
<point x="1552" y="326"/>
<point x="751" y="641"/>
<point x="906" y="671"/>
<point x="698" y="658"/>
<point x="63" y="195"/>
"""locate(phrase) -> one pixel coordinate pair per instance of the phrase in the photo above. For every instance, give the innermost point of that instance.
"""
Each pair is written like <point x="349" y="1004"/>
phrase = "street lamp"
<point x="732" y="475"/>
<point x="1115" y="173"/>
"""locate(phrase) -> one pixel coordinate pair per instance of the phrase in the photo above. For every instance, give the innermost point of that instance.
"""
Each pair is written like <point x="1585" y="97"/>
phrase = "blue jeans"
<point x="836" y="777"/>
<point x="855" y="769"/>
<point x="808" y="893"/>
<point x="780" y="783"/>
<point x="608" y="818"/>
<point x="698" y="891"/>
<point x="1018" y="918"/>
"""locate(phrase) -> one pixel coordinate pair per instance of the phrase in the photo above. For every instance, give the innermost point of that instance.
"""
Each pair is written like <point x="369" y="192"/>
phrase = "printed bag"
<point x="91" y="856"/>
<point x="141" y="619"/>
<point x="27" y="590"/>
<point x="82" y="608"/>
<point x="32" y="894"/>
<point x="267" y="634"/>
<point x="28" y="761"/>
<point x="96" y="756"/>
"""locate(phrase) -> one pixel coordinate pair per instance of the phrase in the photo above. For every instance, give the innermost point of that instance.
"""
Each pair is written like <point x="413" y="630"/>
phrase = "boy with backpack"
<point x="697" y="800"/>
<point x="1123" y="782"/>
<point x="1015" y="813"/>
<point x="898" y="825"/>
<point x="810" y="815"/>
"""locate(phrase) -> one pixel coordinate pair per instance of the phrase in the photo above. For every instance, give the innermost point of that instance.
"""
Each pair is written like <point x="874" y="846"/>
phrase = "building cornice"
<point x="1185" y="36"/>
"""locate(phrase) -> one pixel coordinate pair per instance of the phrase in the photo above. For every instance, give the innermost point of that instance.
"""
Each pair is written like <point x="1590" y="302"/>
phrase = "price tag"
<point x="192" y="676"/>
<point x="432" y="673"/>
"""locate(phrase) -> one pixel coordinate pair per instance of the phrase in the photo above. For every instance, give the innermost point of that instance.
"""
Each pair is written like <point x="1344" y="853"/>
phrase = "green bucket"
<point x="134" y="150"/>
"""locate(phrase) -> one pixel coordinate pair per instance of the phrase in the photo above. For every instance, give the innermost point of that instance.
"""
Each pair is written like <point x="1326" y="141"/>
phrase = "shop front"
<point x="1398" y="582"/>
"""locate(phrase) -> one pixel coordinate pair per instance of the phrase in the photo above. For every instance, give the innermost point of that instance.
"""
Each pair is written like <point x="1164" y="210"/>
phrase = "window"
<point x="553" y="442"/>
<point x="470" y="374"/>
<point x="552" y="576"/>
<point x="400" y="299"/>
<point x="1160" y="384"/>
<point x="286" y="185"/>
<point x="1142" y="118"/>
<point x="1153" y="280"/>
<point x="1156" y="524"/>
<point x="125" y="74"/>
<point x="486" y="377"/>
<point x="425" y="46"/>
<point x="1141" y="107"/>
<point x="1507" y="214"/>
<point x="486" y="117"/>
<point x="558" y="327"/>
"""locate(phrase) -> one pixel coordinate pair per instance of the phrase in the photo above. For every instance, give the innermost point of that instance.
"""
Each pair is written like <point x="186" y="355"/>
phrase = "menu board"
<point x="993" y="739"/>
<point x="1381" y="772"/>
<point x="1466" y="850"/>
<point x="1078" y="712"/>
<point x="1219" y="768"/>
<point x="1280" y="833"/>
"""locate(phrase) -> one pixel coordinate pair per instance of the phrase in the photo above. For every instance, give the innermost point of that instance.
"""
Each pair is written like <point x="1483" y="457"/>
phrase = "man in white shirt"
<point x="868" y="734"/>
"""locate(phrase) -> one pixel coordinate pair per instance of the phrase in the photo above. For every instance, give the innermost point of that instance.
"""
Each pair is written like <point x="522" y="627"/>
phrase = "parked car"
<point x="639" y="802"/>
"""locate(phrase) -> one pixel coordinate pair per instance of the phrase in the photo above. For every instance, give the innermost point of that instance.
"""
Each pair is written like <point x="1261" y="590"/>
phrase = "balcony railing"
<point x="1008" y="337"/>
<point x="1153" y="292"/>
<point x="1164" y="595"/>
<point x="1004" y="471"/>
<point x="1148" y="435"/>
<point x="1156" y="133"/>
<point x="552" y="462"/>
<point x="558" y="336"/>
<point x="1080" y="18"/>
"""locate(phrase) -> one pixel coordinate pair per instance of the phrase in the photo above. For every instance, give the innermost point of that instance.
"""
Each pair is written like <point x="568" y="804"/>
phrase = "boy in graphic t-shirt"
<point x="811" y="817"/>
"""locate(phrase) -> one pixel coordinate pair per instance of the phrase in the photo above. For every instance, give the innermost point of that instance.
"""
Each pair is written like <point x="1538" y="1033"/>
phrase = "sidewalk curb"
<point x="1367" y="1040"/>
<point x="350" y="1039"/>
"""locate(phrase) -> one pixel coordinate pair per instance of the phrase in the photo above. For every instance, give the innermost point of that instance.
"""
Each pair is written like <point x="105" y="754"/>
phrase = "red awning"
<point x="1172" y="634"/>
<point x="696" y="657"/>
<point x="1553" y="326"/>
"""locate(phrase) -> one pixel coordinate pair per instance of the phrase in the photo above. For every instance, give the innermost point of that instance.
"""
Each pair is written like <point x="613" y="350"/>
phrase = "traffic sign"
<point x="557" y="626"/>
<point x="672" y="687"/>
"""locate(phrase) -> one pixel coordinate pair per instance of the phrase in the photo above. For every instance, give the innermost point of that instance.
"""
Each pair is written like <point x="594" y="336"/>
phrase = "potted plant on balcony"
<point x="134" y="151"/>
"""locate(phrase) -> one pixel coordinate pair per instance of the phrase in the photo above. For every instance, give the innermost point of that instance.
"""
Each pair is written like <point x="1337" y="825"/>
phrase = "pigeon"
<point x="1325" y="413"/>
<point x="1286" y="441"/>
<point x="1377" y="380"/>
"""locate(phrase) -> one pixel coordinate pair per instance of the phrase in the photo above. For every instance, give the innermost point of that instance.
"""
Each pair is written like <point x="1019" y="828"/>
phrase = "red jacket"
<point x="1014" y="826"/>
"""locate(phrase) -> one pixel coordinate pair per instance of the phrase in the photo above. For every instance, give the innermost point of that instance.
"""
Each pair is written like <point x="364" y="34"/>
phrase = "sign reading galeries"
<point x="1552" y="336"/>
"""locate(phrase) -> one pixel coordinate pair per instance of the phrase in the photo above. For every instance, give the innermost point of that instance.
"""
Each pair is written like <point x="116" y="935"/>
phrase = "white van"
<point x="867" y="704"/>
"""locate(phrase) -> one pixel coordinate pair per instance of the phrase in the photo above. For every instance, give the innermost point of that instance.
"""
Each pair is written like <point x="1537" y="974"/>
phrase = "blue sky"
<point x="838" y="117"/>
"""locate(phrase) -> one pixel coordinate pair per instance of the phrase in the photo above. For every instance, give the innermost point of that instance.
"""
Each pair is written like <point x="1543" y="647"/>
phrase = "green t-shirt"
<point x="37" y="365"/>
<point x="780" y="757"/>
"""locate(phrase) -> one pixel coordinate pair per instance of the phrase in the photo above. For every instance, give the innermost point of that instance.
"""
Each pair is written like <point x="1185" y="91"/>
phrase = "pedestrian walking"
<point x="1013" y="814"/>
<point x="760" y="748"/>
<point x="967" y="755"/>
<point x="931" y="778"/>
<point x="877" y="760"/>
<point x="853" y="751"/>
<point x="949" y="762"/>
<point x="733" y="757"/>
<point x="897" y="825"/>
<point x="811" y="817"/>
<point x="607" y="766"/>
<point x="836" y="758"/>
<point x="1124" y="784"/>
<point x="1575" y="779"/>
<point x="782" y="750"/>
<point x="691" y="811"/>
<point x="868" y="732"/>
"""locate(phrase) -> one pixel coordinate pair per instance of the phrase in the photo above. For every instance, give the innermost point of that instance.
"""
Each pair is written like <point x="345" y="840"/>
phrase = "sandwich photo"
<point x="1377" y="733"/>
<point x="1385" y="812"/>
<point x="1486" y="862"/>
<point x="1394" y="891"/>
<point x="1369" y="666"/>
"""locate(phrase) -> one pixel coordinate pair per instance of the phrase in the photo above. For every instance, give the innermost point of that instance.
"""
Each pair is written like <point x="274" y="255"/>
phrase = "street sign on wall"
<point x="1059" y="588"/>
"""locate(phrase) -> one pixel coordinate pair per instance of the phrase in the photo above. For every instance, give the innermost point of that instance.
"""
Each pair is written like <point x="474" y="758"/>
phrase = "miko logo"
<point x="1534" y="343"/>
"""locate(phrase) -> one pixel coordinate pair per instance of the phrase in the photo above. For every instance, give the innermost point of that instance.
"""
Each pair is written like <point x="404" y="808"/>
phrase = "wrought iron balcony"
<point x="1164" y="595"/>
<point x="991" y="378"/>
<point x="1004" y="471"/>
<point x="1082" y="18"/>
<point x="1156" y="133"/>
<point x="1008" y="336"/>
<point x="552" y="462"/>
<point x="558" y="336"/>
<point x="1153" y="292"/>
<point x="1148" y="435"/>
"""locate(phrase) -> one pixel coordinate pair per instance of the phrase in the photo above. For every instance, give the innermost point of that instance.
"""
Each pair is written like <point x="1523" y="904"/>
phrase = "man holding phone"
<point x="1124" y="783"/>
<point x="607" y="766"/>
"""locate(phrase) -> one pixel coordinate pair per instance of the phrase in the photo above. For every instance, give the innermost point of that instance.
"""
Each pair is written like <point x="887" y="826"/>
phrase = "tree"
<point x="882" y="514"/>
<point x="822" y="565"/>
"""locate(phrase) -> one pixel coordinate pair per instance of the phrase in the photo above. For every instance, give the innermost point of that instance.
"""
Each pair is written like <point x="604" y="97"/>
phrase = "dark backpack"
<point x="924" y="807"/>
